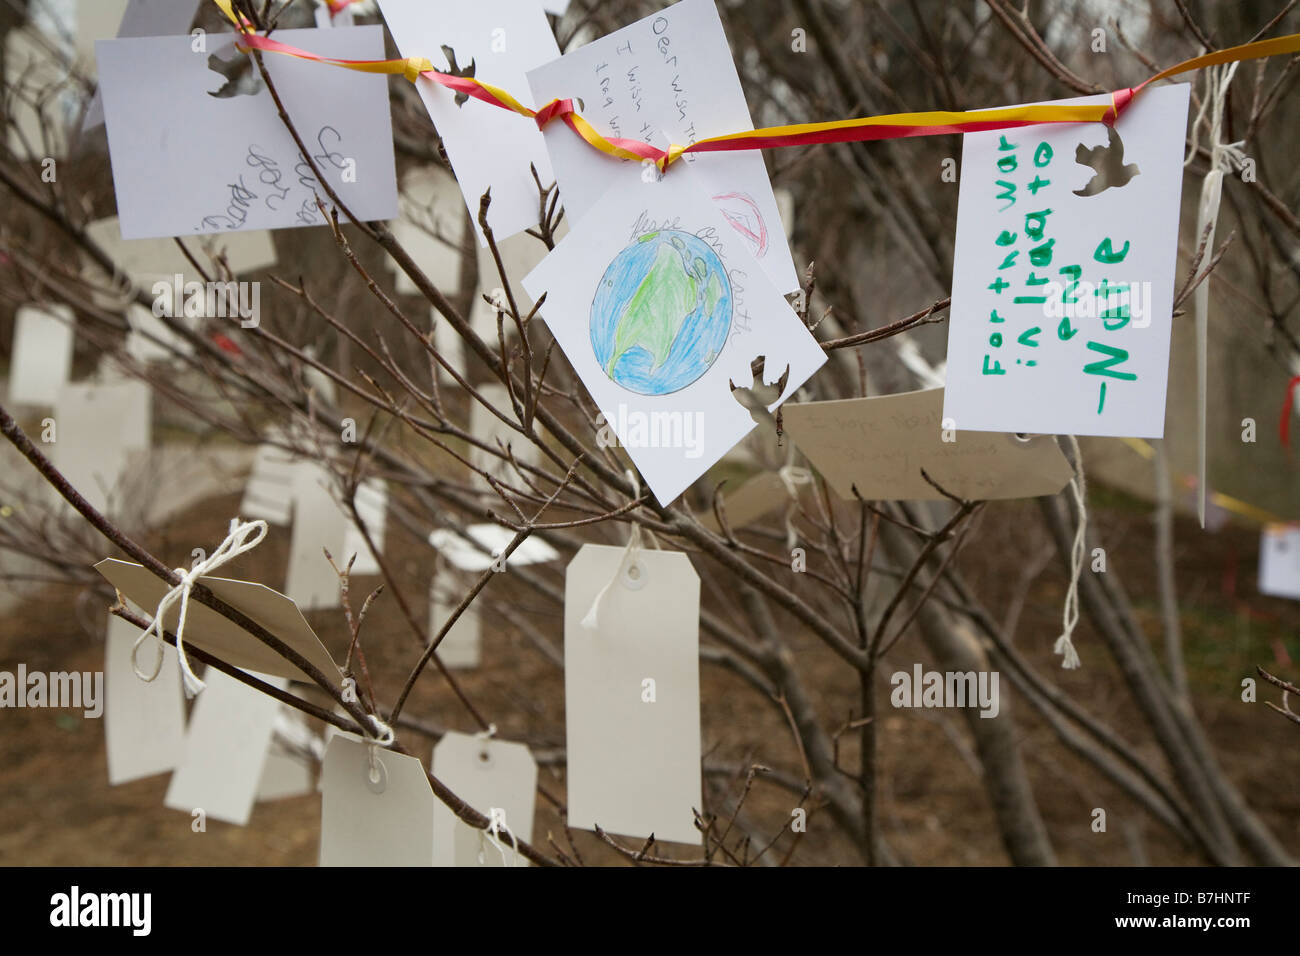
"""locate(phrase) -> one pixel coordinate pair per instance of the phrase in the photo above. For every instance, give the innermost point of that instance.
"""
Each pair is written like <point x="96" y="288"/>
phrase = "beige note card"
<point x="881" y="444"/>
<point x="144" y="722"/>
<point x="461" y="647"/>
<point x="632" y="693"/>
<point x="499" y="780"/>
<point x="374" y="816"/>
<point x="225" y="749"/>
<point x="209" y="631"/>
<point x="42" y="354"/>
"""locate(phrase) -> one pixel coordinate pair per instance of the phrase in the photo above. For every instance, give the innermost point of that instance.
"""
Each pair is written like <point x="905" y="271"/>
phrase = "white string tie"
<point x="591" y="620"/>
<point x="792" y="476"/>
<point x="239" y="541"/>
<point x="493" y="832"/>
<point x="1070" y="613"/>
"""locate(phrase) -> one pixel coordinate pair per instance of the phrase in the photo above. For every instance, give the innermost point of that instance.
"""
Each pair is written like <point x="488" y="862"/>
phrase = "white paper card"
<point x="1061" y="302"/>
<point x="236" y="166"/>
<point x="99" y="428"/>
<point x="372" y="507"/>
<point x="318" y="523"/>
<point x="499" y="436"/>
<point x="270" y="490"/>
<point x="461" y="646"/>
<point x="489" y="147"/>
<point x="289" y="758"/>
<point x="225" y="749"/>
<point x="659" y="307"/>
<point x="142" y="18"/>
<point x="147" y="261"/>
<point x="42" y="354"/>
<point x="144" y="722"/>
<point x="369" y="822"/>
<point x="431" y="228"/>
<point x="493" y="539"/>
<point x="670" y="72"/>
<point x="1279" y="561"/>
<point x="498" y="779"/>
<point x="632" y="693"/>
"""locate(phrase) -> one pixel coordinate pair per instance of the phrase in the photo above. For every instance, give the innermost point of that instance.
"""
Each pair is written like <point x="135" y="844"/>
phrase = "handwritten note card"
<point x="880" y="445"/>
<point x="497" y="42"/>
<point x="668" y="74"/>
<point x="660" y="306"/>
<point x="1063" y="274"/>
<point x="230" y="164"/>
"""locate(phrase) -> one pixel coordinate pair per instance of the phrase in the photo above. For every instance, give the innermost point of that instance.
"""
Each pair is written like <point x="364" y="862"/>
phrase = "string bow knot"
<point x="239" y="541"/>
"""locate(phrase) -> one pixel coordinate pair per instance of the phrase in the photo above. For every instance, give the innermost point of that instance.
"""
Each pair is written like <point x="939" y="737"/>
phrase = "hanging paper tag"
<point x="1279" y="561"/>
<point x="671" y="70"/>
<point x="144" y="723"/>
<point x="100" y="426"/>
<point x="431" y="227"/>
<point x="290" y="758"/>
<point x="881" y="444"/>
<point x="632" y="693"/>
<point x="225" y="749"/>
<point x="210" y="180"/>
<point x="498" y="436"/>
<point x="209" y="631"/>
<point x="499" y="780"/>
<point x="1063" y="274"/>
<point x="460" y="645"/>
<point x="378" y="814"/>
<point x="372" y="507"/>
<point x="497" y="42"/>
<point x="42" y="354"/>
<point x="318" y="524"/>
<point x="493" y="539"/>
<point x="270" y="490"/>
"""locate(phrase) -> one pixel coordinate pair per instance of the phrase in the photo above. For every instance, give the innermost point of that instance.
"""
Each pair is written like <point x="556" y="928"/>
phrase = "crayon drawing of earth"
<point x="661" y="313"/>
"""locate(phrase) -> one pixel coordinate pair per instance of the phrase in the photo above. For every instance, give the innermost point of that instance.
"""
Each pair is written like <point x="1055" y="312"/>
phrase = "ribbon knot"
<point x="553" y="110"/>
<point x="1120" y="100"/>
<point x="237" y="542"/>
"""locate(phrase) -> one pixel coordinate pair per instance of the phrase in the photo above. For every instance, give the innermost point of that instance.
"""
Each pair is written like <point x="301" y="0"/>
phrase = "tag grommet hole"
<point x="484" y="759"/>
<point x="376" y="775"/>
<point x="1023" y="438"/>
<point x="633" y="576"/>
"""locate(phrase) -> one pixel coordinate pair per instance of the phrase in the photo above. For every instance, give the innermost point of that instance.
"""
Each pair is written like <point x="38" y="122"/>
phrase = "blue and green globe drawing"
<point x="661" y="313"/>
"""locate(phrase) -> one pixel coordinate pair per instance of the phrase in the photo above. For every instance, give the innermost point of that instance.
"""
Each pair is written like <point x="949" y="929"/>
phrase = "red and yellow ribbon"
<point x="864" y="129"/>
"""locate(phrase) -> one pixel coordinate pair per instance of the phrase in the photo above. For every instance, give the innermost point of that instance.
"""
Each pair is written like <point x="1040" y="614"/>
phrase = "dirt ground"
<point x="56" y="807"/>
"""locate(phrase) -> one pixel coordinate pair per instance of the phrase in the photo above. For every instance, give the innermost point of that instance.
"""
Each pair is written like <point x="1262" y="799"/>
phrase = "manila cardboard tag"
<point x="144" y="722"/>
<point x="225" y="748"/>
<point x="632" y="693"/>
<point x="209" y="631"/>
<point x="374" y="815"/>
<point x="499" y="780"/>
<point x="881" y="444"/>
